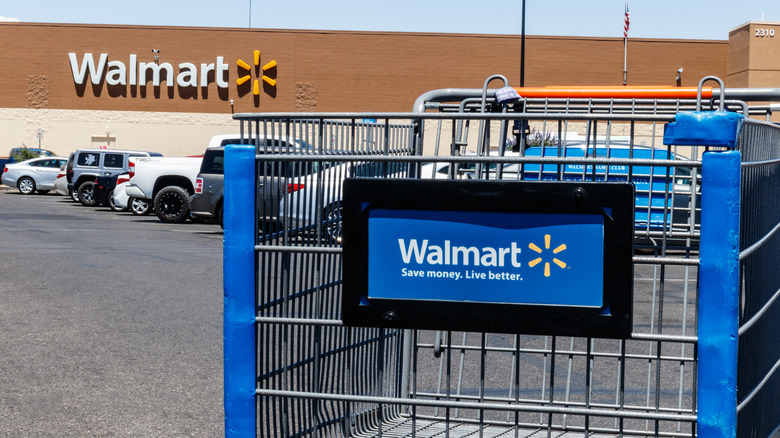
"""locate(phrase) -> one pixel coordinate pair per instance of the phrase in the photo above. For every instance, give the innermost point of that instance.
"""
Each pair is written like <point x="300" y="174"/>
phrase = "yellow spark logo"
<point x="538" y="260"/>
<point x="256" y="85"/>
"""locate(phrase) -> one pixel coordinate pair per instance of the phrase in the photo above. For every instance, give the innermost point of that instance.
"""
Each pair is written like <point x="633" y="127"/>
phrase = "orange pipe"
<point x="629" y="92"/>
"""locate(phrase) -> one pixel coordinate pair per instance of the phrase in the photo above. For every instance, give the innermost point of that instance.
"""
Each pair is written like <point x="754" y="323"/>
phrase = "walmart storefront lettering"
<point x="138" y="73"/>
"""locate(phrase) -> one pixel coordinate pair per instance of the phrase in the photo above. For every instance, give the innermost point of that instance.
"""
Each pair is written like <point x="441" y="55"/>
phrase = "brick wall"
<point x="323" y="70"/>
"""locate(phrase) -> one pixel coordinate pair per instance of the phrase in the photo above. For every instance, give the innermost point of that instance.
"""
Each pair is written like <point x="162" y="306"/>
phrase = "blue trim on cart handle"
<point x="718" y="324"/>
<point x="240" y="341"/>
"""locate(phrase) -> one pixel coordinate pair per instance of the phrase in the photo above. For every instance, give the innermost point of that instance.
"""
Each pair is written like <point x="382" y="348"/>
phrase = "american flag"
<point x="625" y="24"/>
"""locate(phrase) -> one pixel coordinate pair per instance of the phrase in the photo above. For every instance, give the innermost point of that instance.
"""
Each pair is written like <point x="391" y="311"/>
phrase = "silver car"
<point x="37" y="174"/>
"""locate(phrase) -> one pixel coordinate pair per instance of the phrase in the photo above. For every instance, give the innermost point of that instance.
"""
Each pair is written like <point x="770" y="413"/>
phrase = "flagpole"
<point x="625" y="46"/>
<point x="625" y="61"/>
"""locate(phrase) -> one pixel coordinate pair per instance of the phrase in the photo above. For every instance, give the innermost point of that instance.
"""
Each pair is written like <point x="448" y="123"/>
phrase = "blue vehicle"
<point x="664" y="194"/>
<point x="12" y="155"/>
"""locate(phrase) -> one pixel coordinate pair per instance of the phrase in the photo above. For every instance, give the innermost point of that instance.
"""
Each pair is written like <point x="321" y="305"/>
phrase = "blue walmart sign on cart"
<point x="486" y="257"/>
<point x="550" y="258"/>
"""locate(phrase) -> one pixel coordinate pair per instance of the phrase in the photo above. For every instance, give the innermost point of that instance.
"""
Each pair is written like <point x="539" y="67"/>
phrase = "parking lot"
<point x="110" y="324"/>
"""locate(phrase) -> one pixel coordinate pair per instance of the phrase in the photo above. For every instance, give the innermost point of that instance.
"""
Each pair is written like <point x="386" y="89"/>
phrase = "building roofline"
<point x="353" y="32"/>
<point x="760" y="22"/>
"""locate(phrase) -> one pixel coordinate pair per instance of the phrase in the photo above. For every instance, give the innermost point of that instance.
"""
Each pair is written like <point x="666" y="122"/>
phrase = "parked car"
<point x="167" y="183"/>
<point x="34" y="153"/>
<point x="61" y="183"/>
<point x="300" y="207"/>
<point x="119" y="199"/>
<point x="206" y="202"/>
<point x="37" y="174"/>
<point x="105" y="186"/>
<point x="88" y="164"/>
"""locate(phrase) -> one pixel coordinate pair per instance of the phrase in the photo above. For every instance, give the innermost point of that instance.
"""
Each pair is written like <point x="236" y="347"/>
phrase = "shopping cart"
<point x="293" y="368"/>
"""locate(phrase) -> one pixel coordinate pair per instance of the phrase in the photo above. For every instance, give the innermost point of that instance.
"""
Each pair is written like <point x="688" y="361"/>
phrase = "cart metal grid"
<point x="758" y="393"/>
<point x="315" y="377"/>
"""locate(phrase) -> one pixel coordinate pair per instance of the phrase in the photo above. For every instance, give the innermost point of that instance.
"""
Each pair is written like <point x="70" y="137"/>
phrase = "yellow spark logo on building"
<point x="256" y="85"/>
<point x="555" y="251"/>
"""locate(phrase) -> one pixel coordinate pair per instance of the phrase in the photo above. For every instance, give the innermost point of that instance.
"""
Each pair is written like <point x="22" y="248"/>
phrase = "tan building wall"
<point x="754" y="55"/>
<point x="314" y="71"/>
<point x="173" y="134"/>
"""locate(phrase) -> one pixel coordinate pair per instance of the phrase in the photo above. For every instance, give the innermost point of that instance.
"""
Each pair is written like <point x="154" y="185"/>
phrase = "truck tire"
<point x="87" y="194"/>
<point x="172" y="204"/>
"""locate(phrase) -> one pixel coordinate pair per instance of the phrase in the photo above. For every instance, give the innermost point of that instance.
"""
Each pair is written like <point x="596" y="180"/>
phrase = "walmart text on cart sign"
<point x="457" y="255"/>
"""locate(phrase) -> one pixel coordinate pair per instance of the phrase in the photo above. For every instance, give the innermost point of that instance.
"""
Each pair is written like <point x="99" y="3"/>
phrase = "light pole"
<point x="522" y="48"/>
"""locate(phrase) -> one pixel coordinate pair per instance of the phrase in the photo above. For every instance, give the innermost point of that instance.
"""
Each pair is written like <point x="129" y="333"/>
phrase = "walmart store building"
<point x="169" y="89"/>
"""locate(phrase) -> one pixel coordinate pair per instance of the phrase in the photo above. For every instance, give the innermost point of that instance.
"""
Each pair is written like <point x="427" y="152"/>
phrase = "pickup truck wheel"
<point x="139" y="207"/>
<point x="172" y="204"/>
<point x="87" y="194"/>
<point x="26" y="185"/>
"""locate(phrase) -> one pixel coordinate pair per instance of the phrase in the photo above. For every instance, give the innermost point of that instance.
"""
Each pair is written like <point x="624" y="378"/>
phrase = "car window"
<point x="45" y="163"/>
<point x="378" y="169"/>
<point x="213" y="162"/>
<point x="116" y="161"/>
<point x="88" y="159"/>
<point x="277" y="143"/>
<point x="682" y="175"/>
<point x="271" y="168"/>
<point x="291" y="169"/>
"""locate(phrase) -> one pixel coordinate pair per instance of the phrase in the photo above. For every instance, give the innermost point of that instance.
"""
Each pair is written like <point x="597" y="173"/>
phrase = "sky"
<point x="684" y="19"/>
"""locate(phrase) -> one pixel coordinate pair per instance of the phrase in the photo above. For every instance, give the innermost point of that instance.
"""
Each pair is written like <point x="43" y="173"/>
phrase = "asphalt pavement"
<point x="110" y="323"/>
<point x="111" y="326"/>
